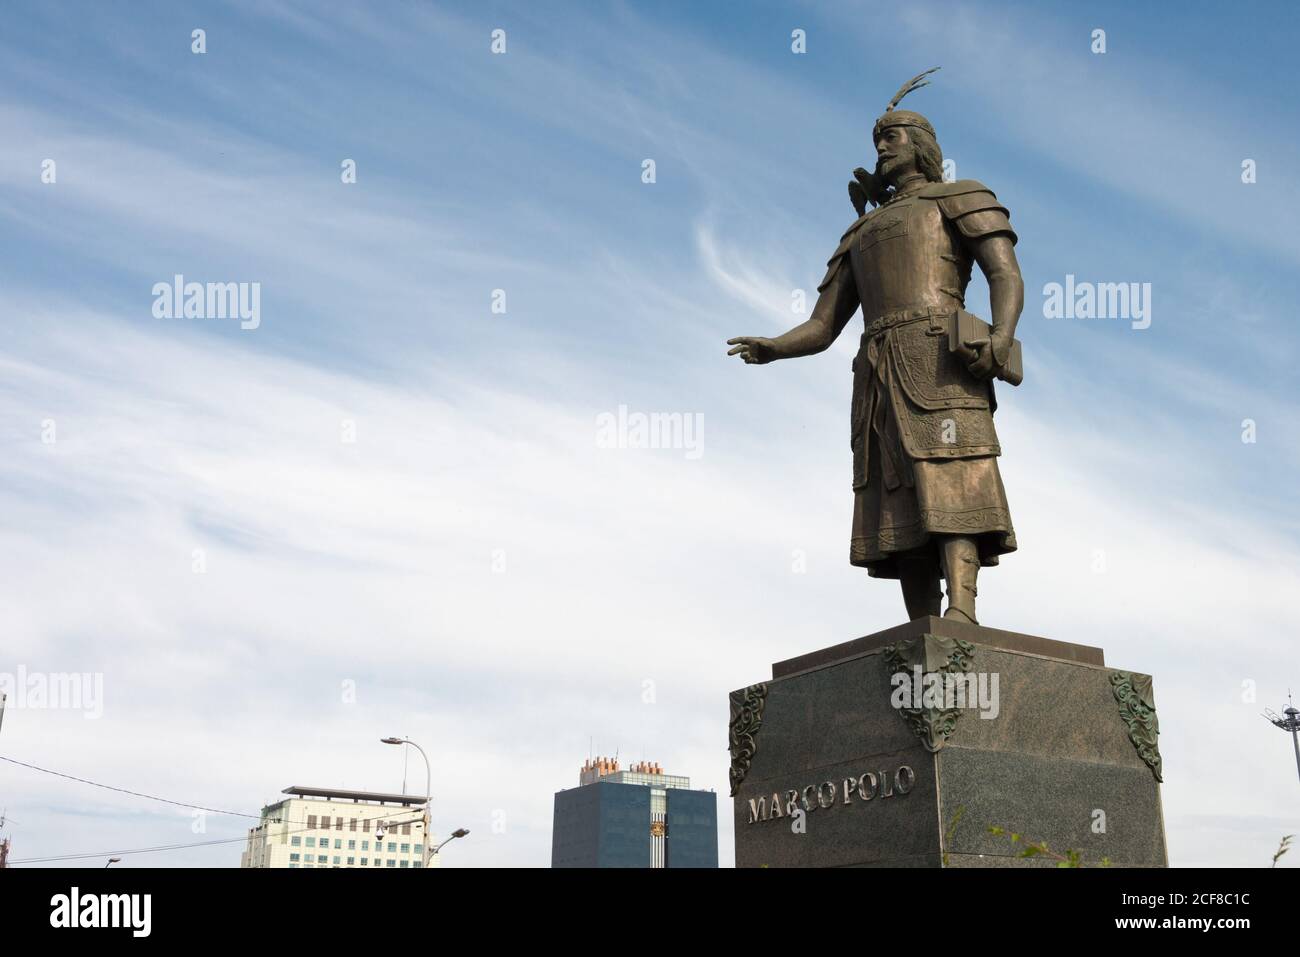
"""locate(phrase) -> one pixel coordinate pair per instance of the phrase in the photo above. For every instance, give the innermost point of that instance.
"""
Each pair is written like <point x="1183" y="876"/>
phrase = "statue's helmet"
<point x="893" y="117"/>
<point x="901" y="118"/>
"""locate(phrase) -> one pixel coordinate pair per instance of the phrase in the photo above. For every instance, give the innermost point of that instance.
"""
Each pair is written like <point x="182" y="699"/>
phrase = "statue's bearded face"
<point x="895" y="154"/>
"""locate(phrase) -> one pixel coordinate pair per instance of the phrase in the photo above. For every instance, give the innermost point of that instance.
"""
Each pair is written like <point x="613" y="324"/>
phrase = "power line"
<point x="109" y="787"/>
<point x="388" y="821"/>
<point x="137" y="850"/>
<point x="199" y="807"/>
<point x="151" y="797"/>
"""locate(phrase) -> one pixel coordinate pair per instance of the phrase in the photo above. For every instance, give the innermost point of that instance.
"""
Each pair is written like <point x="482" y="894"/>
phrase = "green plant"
<point x="1070" y="858"/>
<point x="952" y="828"/>
<point x="1282" y="848"/>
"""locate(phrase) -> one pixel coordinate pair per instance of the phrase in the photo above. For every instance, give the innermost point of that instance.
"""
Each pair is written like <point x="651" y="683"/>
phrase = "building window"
<point x="311" y="821"/>
<point x="419" y="848"/>
<point x="293" y="865"/>
<point x="293" y="857"/>
<point x="392" y="847"/>
<point x="296" y="842"/>
<point x="365" y="861"/>
<point x="378" y="862"/>
<point x="406" y="829"/>
<point x="338" y="844"/>
<point x="325" y="823"/>
<point x="338" y="824"/>
<point x="311" y="842"/>
<point x="417" y="864"/>
<point x="351" y="861"/>
<point x="406" y="848"/>
<point x="404" y="864"/>
<point x="352" y="845"/>
<point x="309" y="858"/>
<point x="365" y="845"/>
<point x="336" y="860"/>
<point x="352" y="824"/>
<point x="392" y="863"/>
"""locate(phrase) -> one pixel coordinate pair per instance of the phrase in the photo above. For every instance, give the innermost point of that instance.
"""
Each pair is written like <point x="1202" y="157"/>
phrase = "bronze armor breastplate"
<point x="904" y="256"/>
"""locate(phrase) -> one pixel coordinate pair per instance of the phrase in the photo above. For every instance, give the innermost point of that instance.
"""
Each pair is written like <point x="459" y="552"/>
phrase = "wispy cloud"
<point x="489" y="579"/>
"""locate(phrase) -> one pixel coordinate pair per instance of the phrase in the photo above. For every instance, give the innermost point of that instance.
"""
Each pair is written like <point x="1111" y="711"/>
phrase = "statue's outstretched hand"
<point x="754" y="350"/>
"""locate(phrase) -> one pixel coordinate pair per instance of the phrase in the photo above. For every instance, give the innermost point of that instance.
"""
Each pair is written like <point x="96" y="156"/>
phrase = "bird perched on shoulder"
<point x="864" y="188"/>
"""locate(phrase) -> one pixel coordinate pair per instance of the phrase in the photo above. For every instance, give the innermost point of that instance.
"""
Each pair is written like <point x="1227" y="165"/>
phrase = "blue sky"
<point x="373" y="562"/>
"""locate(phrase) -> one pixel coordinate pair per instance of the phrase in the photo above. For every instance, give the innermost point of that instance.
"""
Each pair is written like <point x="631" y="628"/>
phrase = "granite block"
<point x="1045" y="753"/>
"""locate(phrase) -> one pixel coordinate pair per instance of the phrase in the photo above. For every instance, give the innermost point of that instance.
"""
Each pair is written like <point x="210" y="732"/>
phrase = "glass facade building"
<point x="634" y="818"/>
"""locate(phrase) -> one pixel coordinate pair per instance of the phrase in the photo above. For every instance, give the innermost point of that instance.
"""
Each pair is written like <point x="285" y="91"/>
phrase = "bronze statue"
<point x="928" y="497"/>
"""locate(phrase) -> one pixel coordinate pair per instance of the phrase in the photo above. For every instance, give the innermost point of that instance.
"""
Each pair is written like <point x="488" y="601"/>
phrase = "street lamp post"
<point x="1290" y="723"/>
<point x="428" y="791"/>
<point x="459" y="832"/>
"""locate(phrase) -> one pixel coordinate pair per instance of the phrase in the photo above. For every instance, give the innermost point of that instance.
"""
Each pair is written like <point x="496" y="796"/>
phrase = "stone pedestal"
<point x="838" y="763"/>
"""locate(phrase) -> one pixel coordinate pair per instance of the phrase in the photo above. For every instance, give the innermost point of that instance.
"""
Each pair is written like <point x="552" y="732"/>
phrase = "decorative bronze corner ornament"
<point x="1137" y="708"/>
<point x="933" y="655"/>
<point x="746" y="718"/>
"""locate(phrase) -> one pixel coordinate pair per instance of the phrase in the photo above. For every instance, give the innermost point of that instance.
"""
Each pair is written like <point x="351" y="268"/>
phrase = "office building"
<point x="328" y="827"/>
<point x="638" y="817"/>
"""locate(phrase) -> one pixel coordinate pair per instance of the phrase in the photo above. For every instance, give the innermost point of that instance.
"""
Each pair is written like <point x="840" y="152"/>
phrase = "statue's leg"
<point x="918" y="573"/>
<point x="961" y="566"/>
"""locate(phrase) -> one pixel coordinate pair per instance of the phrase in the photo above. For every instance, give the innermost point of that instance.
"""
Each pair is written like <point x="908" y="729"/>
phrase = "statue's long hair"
<point x="929" y="158"/>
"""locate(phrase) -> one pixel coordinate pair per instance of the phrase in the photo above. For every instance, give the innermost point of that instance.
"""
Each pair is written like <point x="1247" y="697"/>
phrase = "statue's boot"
<point x="961" y="566"/>
<point x="918" y="573"/>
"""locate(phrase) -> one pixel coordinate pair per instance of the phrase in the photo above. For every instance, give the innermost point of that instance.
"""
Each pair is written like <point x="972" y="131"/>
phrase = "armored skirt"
<point x="924" y="448"/>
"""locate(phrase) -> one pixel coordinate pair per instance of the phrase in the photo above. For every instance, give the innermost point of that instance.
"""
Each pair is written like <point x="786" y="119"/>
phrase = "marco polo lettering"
<point x="828" y="794"/>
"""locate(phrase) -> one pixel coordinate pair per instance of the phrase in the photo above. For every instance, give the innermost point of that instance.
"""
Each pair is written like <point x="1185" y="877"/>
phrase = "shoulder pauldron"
<point x="972" y="207"/>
